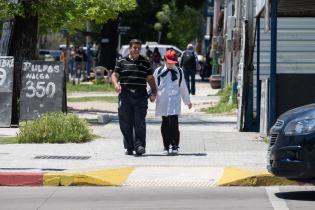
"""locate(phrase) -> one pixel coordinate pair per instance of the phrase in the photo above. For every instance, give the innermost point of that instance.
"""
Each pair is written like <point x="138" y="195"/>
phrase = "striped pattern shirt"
<point x="133" y="73"/>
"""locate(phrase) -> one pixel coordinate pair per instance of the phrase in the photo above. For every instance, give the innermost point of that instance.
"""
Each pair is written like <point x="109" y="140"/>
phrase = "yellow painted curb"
<point x="108" y="177"/>
<point x="241" y="177"/>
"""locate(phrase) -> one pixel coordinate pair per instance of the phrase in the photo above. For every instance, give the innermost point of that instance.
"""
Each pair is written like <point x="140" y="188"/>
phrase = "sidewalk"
<point x="212" y="153"/>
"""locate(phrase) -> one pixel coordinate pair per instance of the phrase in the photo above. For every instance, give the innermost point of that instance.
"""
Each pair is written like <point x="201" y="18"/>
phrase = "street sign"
<point x="209" y="8"/>
<point x="123" y="29"/>
<point x="6" y="90"/>
<point x="42" y="88"/>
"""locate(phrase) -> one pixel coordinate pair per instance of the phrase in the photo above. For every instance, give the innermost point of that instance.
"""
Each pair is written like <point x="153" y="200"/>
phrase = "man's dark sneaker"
<point x="129" y="152"/>
<point x="140" y="150"/>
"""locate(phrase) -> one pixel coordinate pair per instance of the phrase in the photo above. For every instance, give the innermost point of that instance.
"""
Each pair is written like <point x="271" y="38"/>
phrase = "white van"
<point x="162" y="49"/>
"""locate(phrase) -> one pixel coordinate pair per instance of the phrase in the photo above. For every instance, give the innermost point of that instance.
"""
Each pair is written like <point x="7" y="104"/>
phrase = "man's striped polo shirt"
<point x="133" y="73"/>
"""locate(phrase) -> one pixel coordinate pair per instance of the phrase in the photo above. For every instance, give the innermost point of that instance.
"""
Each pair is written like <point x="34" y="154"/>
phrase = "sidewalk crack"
<point x="45" y="201"/>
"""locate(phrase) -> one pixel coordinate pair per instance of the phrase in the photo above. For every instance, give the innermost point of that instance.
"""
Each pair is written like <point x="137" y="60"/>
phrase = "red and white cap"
<point x="171" y="56"/>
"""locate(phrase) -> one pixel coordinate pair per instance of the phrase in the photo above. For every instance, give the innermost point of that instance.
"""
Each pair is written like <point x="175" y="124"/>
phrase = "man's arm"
<point x="115" y="79"/>
<point x="152" y="84"/>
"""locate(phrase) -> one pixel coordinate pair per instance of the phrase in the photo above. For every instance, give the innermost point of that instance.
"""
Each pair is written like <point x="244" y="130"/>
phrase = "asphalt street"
<point x="131" y="198"/>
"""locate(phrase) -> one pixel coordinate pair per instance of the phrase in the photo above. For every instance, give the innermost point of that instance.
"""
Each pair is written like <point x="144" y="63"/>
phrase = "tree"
<point x="182" y="22"/>
<point x="185" y="25"/>
<point x="141" y="21"/>
<point x="46" y="15"/>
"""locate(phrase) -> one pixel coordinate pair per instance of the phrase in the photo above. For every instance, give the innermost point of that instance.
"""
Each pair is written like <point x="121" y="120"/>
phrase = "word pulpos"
<point x="27" y="66"/>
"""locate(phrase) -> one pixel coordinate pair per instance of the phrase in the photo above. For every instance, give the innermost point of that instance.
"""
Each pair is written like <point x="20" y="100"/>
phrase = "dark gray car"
<point x="291" y="151"/>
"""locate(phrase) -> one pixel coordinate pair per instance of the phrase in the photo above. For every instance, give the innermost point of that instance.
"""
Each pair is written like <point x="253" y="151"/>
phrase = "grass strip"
<point x="90" y="87"/>
<point x="225" y="105"/>
<point x="8" y="140"/>
<point x="109" y="99"/>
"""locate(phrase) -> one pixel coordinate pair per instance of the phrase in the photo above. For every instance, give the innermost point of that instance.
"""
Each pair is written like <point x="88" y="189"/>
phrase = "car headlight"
<point x="300" y="126"/>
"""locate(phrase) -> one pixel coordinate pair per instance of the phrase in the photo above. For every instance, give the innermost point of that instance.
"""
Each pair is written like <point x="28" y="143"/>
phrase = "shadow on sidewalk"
<point x="179" y="154"/>
<point x="89" y="111"/>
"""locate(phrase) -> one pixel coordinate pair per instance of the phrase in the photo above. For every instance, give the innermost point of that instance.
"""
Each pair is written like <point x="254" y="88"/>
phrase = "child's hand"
<point x="189" y="105"/>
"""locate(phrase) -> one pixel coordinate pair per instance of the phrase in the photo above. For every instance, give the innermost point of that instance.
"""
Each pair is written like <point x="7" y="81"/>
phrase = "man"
<point x="171" y="90"/>
<point x="189" y="62"/>
<point x="130" y="78"/>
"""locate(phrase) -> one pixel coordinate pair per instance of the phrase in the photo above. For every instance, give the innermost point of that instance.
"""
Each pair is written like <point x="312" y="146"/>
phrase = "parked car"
<point x="291" y="151"/>
<point x="49" y="55"/>
<point x="162" y="49"/>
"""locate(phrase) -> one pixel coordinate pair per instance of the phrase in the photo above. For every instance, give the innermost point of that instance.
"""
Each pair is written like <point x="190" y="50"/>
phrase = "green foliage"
<point x="225" y="103"/>
<point x="110" y="99"/>
<point x="102" y="87"/>
<point x="183" y="25"/>
<point x="70" y="14"/>
<point x="164" y="15"/>
<point x="55" y="128"/>
<point x="158" y="26"/>
<point x="141" y="20"/>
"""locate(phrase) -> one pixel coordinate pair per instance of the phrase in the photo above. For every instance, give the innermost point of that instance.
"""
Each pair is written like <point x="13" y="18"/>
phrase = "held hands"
<point x="117" y="88"/>
<point x="152" y="98"/>
<point x="189" y="105"/>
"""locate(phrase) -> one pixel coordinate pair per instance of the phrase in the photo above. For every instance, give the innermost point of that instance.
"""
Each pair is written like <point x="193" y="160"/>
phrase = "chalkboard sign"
<point x="42" y="88"/>
<point x="6" y="90"/>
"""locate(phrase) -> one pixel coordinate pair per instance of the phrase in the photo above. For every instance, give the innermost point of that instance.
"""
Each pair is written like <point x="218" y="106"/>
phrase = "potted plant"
<point x="215" y="78"/>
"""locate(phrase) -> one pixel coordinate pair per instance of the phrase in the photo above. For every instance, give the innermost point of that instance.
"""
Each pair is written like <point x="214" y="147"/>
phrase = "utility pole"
<point x="208" y="12"/>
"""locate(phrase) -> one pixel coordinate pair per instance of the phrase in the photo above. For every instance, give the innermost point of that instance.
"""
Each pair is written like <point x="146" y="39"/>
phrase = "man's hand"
<point x="189" y="105"/>
<point x="115" y="82"/>
<point x="117" y="88"/>
<point x="152" y="98"/>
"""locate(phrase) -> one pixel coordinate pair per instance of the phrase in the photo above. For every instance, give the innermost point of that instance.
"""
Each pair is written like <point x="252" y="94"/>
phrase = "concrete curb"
<point x="241" y="177"/>
<point x="107" y="177"/>
<point x="21" y="179"/>
<point x="121" y="177"/>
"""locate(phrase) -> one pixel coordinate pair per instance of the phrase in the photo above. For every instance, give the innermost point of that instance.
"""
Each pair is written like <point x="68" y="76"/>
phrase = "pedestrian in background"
<point x="83" y="63"/>
<point x="88" y="62"/>
<point x="171" y="89"/>
<point x="189" y="63"/>
<point x="63" y="56"/>
<point x="148" y="54"/>
<point x="156" y="58"/>
<point x="130" y="78"/>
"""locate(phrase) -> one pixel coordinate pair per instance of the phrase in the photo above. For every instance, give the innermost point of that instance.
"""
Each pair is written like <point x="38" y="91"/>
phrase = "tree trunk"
<point x="22" y="47"/>
<point x="109" y="41"/>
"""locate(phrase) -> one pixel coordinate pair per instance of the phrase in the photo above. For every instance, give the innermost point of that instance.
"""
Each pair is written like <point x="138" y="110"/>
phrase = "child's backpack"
<point x="180" y="75"/>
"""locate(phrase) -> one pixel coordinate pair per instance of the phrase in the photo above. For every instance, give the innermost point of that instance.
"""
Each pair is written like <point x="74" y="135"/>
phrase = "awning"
<point x="296" y="8"/>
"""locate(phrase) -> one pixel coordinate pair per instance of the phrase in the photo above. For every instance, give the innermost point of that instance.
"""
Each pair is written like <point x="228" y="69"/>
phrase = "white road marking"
<point x="277" y="203"/>
<point x="174" y="176"/>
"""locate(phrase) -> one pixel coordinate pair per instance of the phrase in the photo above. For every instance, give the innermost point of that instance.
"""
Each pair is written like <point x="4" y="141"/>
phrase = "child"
<point x="171" y="88"/>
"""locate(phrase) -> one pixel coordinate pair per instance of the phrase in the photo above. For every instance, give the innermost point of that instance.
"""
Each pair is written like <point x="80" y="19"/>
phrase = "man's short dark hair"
<point x="134" y="41"/>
